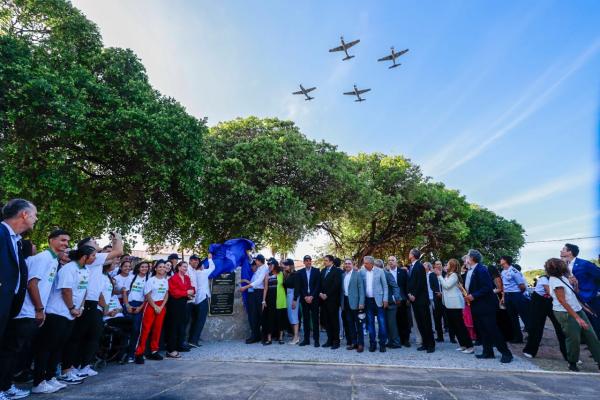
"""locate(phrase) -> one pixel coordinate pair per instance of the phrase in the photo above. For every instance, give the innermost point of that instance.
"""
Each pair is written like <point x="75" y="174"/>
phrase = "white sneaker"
<point x="43" y="387"/>
<point x="468" y="351"/>
<point x="461" y="348"/>
<point x="527" y="355"/>
<point x="16" y="393"/>
<point x="70" y="378"/>
<point x="86" y="371"/>
<point x="54" y="382"/>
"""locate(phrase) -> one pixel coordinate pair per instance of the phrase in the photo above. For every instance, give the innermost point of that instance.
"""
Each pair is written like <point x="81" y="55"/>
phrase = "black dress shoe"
<point x="317" y="344"/>
<point x="382" y="349"/>
<point x="351" y="347"/>
<point x="372" y="349"/>
<point x="252" y="340"/>
<point x="406" y="344"/>
<point x="506" y="358"/>
<point x="394" y="346"/>
<point x="440" y="340"/>
<point x="327" y="344"/>
<point x="452" y="340"/>
<point x="335" y="346"/>
<point x="431" y="350"/>
<point x="421" y="348"/>
<point x="573" y="367"/>
<point x="304" y="343"/>
<point x="484" y="356"/>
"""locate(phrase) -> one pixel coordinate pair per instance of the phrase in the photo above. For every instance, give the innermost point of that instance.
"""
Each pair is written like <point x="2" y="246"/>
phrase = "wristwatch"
<point x="72" y="307"/>
<point x="39" y="309"/>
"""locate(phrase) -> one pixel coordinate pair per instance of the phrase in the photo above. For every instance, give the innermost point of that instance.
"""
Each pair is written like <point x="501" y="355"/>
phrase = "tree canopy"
<point x="82" y="132"/>
<point x="85" y="136"/>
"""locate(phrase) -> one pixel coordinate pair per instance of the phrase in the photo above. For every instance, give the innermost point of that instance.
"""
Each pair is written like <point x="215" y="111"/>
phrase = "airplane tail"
<point x="394" y="66"/>
<point x="361" y="99"/>
<point x="308" y="98"/>
<point x="347" y="58"/>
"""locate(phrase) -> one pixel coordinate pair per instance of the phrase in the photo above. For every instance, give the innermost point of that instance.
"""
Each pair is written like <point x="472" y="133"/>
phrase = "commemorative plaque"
<point x="222" y="292"/>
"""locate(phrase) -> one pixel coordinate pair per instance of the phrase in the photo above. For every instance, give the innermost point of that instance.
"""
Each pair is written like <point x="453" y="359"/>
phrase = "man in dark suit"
<point x="418" y="294"/>
<point x="484" y="303"/>
<point x="438" y="306"/>
<point x="403" y="316"/>
<point x="330" y="295"/>
<point x="18" y="216"/>
<point x="309" y="283"/>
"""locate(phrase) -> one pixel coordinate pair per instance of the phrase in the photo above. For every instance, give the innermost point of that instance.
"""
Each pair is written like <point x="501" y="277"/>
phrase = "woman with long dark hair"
<point x="156" y="292"/>
<point x="274" y="304"/>
<point x="180" y="291"/>
<point x="133" y="302"/>
<point x="290" y="283"/>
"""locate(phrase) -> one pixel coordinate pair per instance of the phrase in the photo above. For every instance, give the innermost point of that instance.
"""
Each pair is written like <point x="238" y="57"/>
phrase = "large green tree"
<point x="397" y="209"/>
<point x="265" y="180"/>
<point x="82" y="132"/>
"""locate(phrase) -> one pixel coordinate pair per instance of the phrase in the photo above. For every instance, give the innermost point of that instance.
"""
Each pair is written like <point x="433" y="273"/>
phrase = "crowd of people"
<point x="56" y="305"/>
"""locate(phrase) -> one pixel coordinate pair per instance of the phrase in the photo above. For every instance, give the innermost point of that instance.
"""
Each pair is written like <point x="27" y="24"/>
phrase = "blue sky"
<point x="497" y="99"/>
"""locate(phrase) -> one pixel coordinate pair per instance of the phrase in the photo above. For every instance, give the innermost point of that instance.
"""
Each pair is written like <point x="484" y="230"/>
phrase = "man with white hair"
<point x="376" y="301"/>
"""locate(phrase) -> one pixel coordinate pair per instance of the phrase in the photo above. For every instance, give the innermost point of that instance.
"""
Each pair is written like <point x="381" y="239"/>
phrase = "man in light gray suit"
<point x="390" y="313"/>
<point x="353" y="302"/>
<point x="376" y="301"/>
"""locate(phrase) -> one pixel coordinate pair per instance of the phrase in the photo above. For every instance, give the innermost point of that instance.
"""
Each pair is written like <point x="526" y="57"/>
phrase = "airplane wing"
<point x="401" y="52"/>
<point x="300" y="92"/>
<point x="386" y="58"/>
<point x="350" y="93"/>
<point x="350" y="44"/>
<point x="363" y="91"/>
<point x="310" y="89"/>
<point x="339" y="48"/>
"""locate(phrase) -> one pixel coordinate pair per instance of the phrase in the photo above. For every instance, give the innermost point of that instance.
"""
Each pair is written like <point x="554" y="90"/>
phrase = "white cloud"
<point x="563" y="223"/>
<point x="562" y="184"/>
<point x="507" y="121"/>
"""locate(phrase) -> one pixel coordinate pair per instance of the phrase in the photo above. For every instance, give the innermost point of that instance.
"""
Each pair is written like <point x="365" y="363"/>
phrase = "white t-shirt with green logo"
<point x="157" y="287"/>
<point x="71" y="276"/>
<point x="43" y="267"/>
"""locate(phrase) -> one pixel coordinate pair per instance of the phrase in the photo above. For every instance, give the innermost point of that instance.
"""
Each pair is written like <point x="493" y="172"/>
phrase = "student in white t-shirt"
<point x="64" y="306"/>
<point x="133" y="302"/>
<point x="570" y="314"/>
<point x="123" y="279"/>
<point x="156" y="292"/>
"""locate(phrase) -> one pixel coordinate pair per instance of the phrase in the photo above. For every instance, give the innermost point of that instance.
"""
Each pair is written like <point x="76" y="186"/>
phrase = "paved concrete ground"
<point x="197" y="379"/>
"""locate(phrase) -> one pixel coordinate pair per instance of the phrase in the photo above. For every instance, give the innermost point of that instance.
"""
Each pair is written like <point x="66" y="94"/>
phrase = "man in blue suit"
<point x="309" y="286"/>
<point x="484" y="303"/>
<point x="587" y="275"/>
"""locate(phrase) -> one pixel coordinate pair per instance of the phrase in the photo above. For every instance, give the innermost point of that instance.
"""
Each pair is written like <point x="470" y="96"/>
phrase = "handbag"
<point x="586" y="307"/>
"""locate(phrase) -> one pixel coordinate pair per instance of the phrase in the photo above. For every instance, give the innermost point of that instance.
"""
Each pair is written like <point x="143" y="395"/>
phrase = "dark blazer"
<point x="315" y="283"/>
<point x="402" y="282"/>
<point x="417" y="284"/>
<point x="331" y="285"/>
<point x="482" y="289"/>
<point x="434" y="283"/>
<point x="10" y="303"/>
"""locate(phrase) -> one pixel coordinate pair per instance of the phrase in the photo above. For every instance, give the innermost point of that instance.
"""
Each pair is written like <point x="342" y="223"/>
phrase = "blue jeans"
<point x="136" y="325"/>
<point x="372" y="311"/>
<point x="199" y="313"/>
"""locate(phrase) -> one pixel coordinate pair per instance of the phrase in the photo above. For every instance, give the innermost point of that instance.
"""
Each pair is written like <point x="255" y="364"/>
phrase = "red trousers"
<point x="151" y="324"/>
